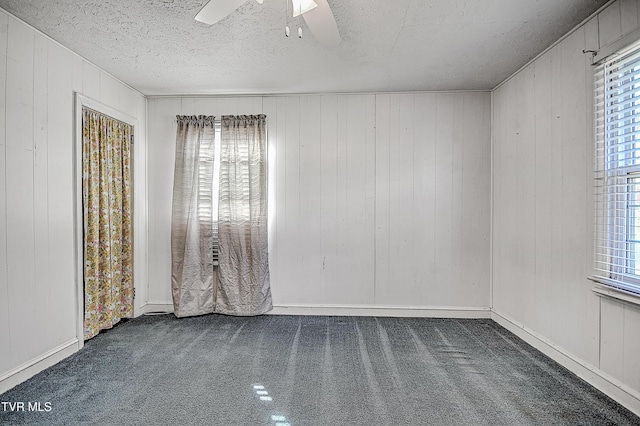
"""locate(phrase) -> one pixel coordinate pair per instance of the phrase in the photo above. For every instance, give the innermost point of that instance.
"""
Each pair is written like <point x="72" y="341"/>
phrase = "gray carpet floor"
<point x="302" y="370"/>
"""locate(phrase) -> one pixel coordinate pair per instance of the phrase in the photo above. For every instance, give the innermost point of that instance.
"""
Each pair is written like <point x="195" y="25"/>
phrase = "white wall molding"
<point x="288" y="94"/>
<point x="383" y="311"/>
<point x="29" y="369"/>
<point x="471" y="312"/>
<point x="613" y="388"/>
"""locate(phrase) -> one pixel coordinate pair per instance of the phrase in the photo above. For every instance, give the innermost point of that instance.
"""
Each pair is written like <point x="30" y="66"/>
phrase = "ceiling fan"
<point x="316" y="13"/>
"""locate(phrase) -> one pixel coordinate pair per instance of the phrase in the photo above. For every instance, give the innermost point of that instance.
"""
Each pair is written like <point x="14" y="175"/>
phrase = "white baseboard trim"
<point x="610" y="386"/>
<point x="156" y="307"/>
<point x="383" y="311"/>
<point x="29" y="369"/>
<point x="355" y="310"/>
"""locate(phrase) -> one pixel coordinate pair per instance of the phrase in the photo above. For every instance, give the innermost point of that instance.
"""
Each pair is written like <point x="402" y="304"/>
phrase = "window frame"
<point x="616" y="164"/>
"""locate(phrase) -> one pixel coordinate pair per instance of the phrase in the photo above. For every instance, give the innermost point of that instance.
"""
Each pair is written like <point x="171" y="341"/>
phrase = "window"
<point x="228" y="167"/>
<point x="209" y="183"/>
<point x="617" y="172"/>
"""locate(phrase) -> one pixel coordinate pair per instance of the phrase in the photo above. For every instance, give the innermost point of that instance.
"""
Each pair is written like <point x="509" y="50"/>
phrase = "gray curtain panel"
<point x="192" y="271"/>
<point x="243" y="274"/>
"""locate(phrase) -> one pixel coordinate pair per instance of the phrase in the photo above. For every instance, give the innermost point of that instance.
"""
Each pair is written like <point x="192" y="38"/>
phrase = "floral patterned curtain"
<point x="106" y="191"/>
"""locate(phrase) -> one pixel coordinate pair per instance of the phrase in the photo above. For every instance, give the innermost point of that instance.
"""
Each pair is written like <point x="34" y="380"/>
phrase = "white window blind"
<point x="617" y="171"/>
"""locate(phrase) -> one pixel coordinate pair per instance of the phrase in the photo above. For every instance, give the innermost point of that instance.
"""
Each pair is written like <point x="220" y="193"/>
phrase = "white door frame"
<point x="139" y="207"/>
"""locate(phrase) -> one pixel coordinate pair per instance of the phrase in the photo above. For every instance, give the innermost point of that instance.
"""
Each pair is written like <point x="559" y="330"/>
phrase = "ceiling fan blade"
<point x="322" y="24"/>
<point x="216" y="10"/>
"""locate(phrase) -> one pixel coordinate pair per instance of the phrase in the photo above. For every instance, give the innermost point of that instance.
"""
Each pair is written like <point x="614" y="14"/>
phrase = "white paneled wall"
<point x="160" y="163"/>
<point x="432" y="210"/>
<point x="37" y="258"/>
<point x="543" y="211"/>
<point x="376" y="200"/>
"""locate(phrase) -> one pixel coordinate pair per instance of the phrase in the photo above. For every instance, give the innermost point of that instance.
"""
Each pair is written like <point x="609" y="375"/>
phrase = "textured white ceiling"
<point x="387" y="45"/>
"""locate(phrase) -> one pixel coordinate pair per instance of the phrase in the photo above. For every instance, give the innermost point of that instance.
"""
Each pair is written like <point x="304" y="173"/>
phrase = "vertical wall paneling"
<point x="505" y="220"/>
<point x="40" y="195"/>
<point x="329" y="235"/>
<point x="38" y="317"/>
<point x="368" y="130"/>
<point x="249" y="105"/>
<point x="497" y="108"/>
<point x="628" y="15"/>
<point x="5" y="315"/>
<point x="280" y="196"/>
<point x="382" y="287"/>
<point x="444" y="198"/>
<point x="151" y="199"/>
<point x="590" y="326"/>
<point x="207" y="106"/>
<point x="77" y="65"/>
<point x="20" y="190"/>
<point x="475" y="211"/>
<point x="60" y="192"/>
<point x="343" y="263"/>
<point x="401" y="202"/>
<point x="552" y="180"/>
<point x="363" y="190"/>
<point x="611" y="321"/>
<point x="544" y="183"/>
<point x="512" y="225"/>
<point x="90" y="80"/>
<point x="591" y="38"/>
<point x="424" y="197"/>
<point x="501" y="294"/>
<point x="513" y="300"/>
<point x="108" y="90"/>
<point x="187" y="106"/>
<point x="356" y="214"/>
<point x="631" y="346"/>
<point x="609" y="23"/>
<point x="310" y="200"/>
<point x="574" y="113"/>
<point x="364" y="194"/>
<point x="161" y="157"/>
<point x="226" y="105"/>
<point x="457" y="212"/>
<point x="525" y="183"/>
<point x="292" y="273"/>
<point x="270" y="108"/>
<point x="141" y="197"/>
<point x="554" y="310"/>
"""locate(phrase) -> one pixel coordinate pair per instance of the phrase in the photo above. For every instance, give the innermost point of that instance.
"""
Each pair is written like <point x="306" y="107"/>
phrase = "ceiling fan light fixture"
<point x="302" y="6"/>
<point x="260" y="1"/>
